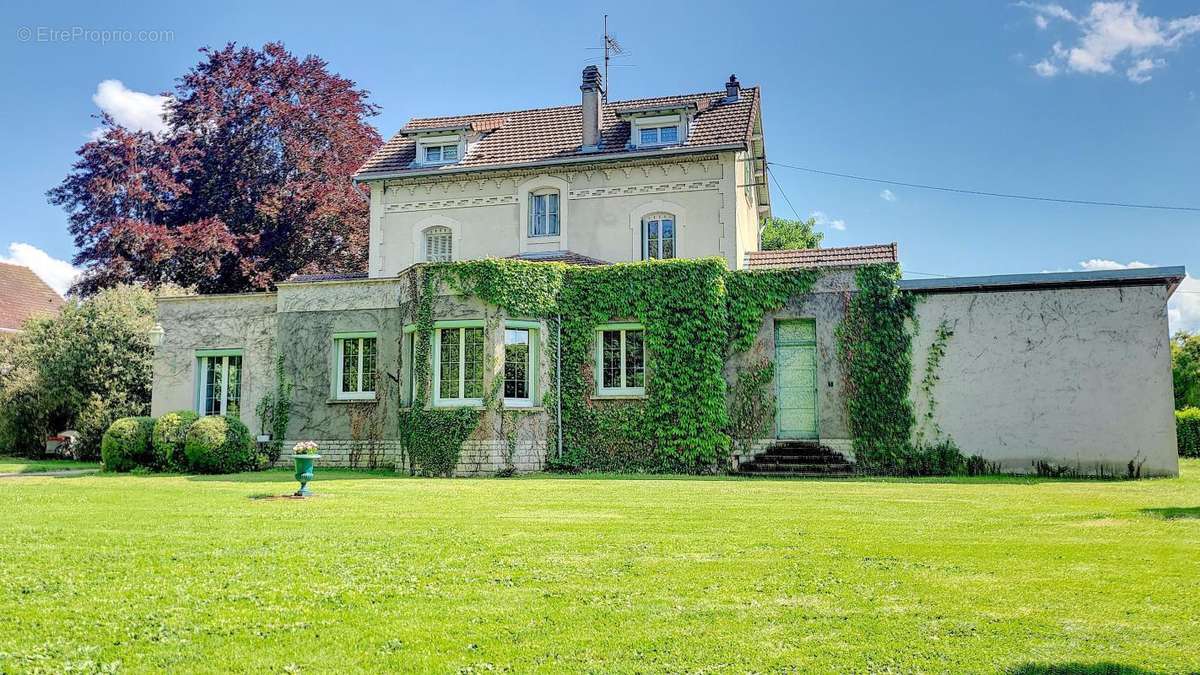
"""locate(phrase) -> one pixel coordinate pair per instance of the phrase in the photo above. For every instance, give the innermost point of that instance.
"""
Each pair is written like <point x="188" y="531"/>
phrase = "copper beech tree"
<point x="249" y="183"/>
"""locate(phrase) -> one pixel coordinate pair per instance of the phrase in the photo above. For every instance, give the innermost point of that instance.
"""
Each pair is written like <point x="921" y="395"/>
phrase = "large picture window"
<point x="458" y="365"/>
<point x="543" y="214"/>
<point x="220" y="382"/>
<point x="658" y="236"/>
<point x="620" y="360"/>
<point x="356" y="358"/>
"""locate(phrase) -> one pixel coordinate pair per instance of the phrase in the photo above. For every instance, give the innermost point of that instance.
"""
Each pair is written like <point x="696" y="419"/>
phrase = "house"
<point x="519" y="364"/>
<point x="22" y="296"/>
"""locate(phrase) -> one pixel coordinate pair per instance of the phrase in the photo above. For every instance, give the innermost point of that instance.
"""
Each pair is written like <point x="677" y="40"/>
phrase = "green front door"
<point x="796" y="378"/>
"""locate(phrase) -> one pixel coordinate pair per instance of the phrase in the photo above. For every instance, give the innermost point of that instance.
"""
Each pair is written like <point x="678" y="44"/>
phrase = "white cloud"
<point x="1102" y="264"/>
<point x="888" y="196"/>
<point x="823" y="219"/>
<point x="1183" y="309"/>
<point x="1112" y="34"/>
<point x="134" y="110"/>
<point x="58" y="274"/>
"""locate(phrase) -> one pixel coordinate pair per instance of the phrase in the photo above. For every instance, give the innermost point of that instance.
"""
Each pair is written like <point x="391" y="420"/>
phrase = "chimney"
<point x="592" y="95"/>
<point x="733" y="89"/>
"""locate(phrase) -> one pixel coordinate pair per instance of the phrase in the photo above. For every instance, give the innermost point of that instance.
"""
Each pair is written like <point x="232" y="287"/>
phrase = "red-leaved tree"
<point x="249" y="184"/>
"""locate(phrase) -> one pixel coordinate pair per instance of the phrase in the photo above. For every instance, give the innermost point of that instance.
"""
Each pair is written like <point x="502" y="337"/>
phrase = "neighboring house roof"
<point x="23" y="295"/>
<point x="524" y="137"/>
<point x="845" y="256"/>
<point x="1170" y="276"/>
<point x="569" y="257"/>
<point x="305" y="278"/>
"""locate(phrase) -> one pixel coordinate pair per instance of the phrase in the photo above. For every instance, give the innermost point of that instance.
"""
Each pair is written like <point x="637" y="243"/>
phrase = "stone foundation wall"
<point x="478" y="457"/>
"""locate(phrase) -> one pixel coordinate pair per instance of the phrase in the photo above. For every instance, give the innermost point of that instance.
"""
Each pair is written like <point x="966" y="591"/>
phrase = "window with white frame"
<point x="355" y="361"/>
<point x="219" y="380"/>
<point x="410" y="362"/>
<point x="440" y="154"/>
<point x="458" y="365"/>
<point x="543" y="213"/>
<point x="439" y="244"/>
<point x="620" y="360"/>
<point x="665" y="135"/>
<point x="520" y="364"/>
<point x="658" y="236"/>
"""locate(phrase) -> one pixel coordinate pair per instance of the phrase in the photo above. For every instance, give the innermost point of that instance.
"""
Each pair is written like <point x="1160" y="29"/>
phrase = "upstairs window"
<point x="441" y="154"/>
<point x="658" y="237"/>
<point x="543" y="214"/>
<point x="220" y="382"/>
<point x="439" y="244"/>
<point x="658" y="135"/>
<point x="356" y="358"/>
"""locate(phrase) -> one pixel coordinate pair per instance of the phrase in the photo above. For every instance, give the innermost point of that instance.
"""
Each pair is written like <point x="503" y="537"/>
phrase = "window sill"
<point x="617" y="397"/>
<point x="452" y="405"/>
<point x="336" y="401"/>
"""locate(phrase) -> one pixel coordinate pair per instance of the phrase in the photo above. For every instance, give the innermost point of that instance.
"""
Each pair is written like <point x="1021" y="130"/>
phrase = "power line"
<point x="982" y="193"/>
<point x="767" y="168"/>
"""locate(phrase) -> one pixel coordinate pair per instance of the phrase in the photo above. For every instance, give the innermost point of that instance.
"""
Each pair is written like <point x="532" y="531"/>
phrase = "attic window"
<point x="436" y="154"/>
<point x="658" y="135"/>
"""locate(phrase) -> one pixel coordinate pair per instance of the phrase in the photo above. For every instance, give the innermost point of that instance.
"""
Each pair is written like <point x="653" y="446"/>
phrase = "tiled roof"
<point x="846" y="256"/>
<point x="303" y="278"/>
<point x="569" y="257"/>
<point x="541" y="134"/>
<point x="22" y="295"/>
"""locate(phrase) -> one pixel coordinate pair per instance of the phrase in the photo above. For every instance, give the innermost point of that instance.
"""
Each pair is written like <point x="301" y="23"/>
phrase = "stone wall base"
<point x="478" y="458"/>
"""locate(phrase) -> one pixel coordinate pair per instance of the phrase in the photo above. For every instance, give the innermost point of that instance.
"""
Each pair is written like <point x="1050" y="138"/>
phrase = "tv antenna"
<point x="613" y="48"/>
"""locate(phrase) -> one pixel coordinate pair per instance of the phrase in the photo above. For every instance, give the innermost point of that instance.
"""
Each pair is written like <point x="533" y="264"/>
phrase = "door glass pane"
<point x="233" y="397"/>
<point x="473" y="363"/>
<point x="448" y="362"/>
<point x="635" y="363"/>
<point x="349" y="365"/>
<point x="368" y="360"/>
<point x="611" y="358"/>
<point x="516" y="364"/>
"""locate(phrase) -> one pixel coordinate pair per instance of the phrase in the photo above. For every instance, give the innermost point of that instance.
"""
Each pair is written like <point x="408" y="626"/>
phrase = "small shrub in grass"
<point x="219" y="444"/>
<point x="126" y="444"/>
<point x="170" y="433"/>
<point x="1187" y="431"/>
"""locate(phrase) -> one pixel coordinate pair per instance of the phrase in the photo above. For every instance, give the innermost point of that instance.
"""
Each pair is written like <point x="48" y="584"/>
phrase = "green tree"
<point x="1185" y="369"/>
<point x="782" y="234"/>
<point x="79" y="370"/>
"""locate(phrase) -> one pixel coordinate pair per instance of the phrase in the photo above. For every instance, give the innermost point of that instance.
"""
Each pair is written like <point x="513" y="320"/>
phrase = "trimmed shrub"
<point x="1187" y="431"/>
<point x="219" y="444"/>
<point x="170" y="434"/>
<point x="126" y="444"/>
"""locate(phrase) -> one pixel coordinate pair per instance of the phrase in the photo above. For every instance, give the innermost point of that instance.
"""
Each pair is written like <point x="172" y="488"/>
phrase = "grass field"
<point x="186" y="574"/>
<point x="22" y="465"/>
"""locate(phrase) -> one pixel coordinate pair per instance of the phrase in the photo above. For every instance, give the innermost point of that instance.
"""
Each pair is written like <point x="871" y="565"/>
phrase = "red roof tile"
<point x="569" y="257"/>
<point x="23" y="295"/>
<point x="846" y="256"/>
<point x="540" y="134"/>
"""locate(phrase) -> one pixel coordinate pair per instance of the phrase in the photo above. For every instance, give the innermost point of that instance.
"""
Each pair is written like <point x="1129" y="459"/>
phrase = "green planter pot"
<point x="304" y="472"/>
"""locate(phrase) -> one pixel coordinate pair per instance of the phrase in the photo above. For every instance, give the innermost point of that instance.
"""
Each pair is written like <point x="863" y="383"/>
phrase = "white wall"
<point x="1073" y="376"/>
<point x="602" y="209"/>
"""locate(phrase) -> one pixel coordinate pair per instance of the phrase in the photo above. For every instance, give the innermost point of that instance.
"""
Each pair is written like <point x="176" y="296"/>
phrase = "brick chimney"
<point x="592" y="97"/>
<point x="733" y="89"/>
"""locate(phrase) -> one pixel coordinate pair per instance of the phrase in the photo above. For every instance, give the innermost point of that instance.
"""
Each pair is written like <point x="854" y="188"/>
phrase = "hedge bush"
<point x="219" y="444"/>
<point x="170" y="434"/>
<point x="126" y="444"/>
<point x="1187" y="430"/>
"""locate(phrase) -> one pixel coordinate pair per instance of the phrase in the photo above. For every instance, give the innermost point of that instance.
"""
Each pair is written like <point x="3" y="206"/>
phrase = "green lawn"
<point x="378" y="573"/>
<point x="22" y="465"/>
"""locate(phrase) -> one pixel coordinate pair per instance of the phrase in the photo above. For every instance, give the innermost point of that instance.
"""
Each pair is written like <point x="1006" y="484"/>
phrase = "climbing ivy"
<point x="933" y="364"/>
<point x="875" y="350"/>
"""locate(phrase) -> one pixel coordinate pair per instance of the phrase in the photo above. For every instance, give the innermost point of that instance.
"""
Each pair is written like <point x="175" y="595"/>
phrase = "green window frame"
<point x="355" y="366"/>
<point x="621" y="359"/>
<point x="522" y="346"/>
<point x="458" y="363"/>
<point x="219" y="379"/>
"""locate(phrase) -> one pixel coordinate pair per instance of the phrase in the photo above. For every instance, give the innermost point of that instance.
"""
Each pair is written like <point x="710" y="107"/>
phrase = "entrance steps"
<point x="807" y="459"/>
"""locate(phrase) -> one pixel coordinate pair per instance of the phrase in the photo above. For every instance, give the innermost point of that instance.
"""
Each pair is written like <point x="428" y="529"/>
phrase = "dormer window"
<point x="437" y="154"/>
<point x="658" y="135"/>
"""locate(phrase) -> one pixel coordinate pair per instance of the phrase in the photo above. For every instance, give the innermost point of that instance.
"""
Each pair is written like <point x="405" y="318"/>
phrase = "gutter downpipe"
<point x="558" y="380"/>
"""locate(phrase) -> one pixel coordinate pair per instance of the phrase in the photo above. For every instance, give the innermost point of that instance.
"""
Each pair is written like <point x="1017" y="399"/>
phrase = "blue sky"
<point x="1081" y="100"/>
